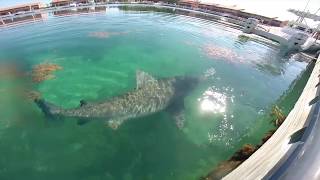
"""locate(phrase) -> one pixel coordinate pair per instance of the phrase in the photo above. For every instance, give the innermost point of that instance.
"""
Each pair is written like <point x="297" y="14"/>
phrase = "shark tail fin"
<point x="47" y="108"/>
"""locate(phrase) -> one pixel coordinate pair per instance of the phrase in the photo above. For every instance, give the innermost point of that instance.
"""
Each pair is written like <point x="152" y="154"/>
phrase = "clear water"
<point x="100" y="54"/>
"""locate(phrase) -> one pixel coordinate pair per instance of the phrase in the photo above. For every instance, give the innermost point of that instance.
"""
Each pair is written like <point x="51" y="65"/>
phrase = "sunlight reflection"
<point x="213" y="101"/>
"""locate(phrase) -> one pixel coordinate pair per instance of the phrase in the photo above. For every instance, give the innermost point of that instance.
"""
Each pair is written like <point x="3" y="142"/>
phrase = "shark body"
<point x="150" y="96"/>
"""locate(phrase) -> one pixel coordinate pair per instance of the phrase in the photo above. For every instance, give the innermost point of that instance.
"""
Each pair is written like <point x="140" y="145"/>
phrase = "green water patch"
<point x="268" y="124"/>
<point x="285" y="103"/>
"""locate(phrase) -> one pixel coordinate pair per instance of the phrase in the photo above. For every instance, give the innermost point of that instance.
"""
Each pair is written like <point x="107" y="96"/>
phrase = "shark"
<point x="150" y="96"/>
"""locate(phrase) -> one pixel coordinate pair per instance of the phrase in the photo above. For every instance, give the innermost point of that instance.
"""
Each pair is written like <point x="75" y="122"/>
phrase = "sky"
<point x="270" y="8"/>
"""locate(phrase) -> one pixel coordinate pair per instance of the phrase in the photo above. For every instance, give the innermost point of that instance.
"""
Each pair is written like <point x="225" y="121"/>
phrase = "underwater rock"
<point x="43" y="72"/>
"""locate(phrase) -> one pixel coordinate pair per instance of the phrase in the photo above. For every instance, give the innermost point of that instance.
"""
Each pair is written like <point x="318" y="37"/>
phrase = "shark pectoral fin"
<point x="180" y="119"/>
<point x="114" y="123"/>
<point x="82" y="121"/>
<point x="177" y="111"/>
<point x="83" y="102"/>
<point x="144" y="78"/>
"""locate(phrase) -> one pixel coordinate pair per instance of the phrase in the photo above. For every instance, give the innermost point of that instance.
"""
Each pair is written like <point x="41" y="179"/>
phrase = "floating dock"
<point x="289" y="38"/>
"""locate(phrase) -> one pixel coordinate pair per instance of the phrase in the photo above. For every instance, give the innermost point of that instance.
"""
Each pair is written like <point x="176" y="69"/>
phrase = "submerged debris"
<point x="43" y="72"/>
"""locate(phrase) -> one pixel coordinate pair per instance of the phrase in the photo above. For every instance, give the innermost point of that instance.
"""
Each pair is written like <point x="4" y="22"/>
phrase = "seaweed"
<point x="43" y="72"/>
<point x="278" y="116"/>
<point x="226" y="167"/>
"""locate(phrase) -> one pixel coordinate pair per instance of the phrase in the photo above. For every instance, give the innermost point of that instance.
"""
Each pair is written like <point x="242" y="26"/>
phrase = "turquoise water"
<point x="100" y="54"/>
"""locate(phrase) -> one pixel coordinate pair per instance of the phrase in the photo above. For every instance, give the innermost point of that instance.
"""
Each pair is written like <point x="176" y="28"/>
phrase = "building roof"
<point x="230" y="7"/>
<point x="57" y="1"/>
<point x="22" y="5"/>
<point x="233" y="7"/>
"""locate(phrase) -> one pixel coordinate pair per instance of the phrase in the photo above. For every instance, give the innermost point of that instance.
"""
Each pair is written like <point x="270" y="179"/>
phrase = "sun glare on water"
<point x="213" y="102"/>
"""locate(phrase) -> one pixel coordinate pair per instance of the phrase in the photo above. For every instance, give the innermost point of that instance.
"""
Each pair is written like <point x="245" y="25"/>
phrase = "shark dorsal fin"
<point x="144" y="78"/>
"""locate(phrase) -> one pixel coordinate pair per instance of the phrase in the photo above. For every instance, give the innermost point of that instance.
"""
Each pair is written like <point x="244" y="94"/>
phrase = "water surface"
<point x="99" y="54"/>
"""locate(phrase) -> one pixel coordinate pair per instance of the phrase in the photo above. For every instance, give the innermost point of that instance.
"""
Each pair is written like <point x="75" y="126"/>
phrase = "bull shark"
<point x="150" y="96"/>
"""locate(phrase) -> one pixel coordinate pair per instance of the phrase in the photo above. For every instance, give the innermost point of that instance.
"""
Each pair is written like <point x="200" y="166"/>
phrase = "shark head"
<point x="185" y="84"/>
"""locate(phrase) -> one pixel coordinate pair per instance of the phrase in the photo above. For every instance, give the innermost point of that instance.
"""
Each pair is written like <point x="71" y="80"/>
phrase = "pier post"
<point x="296" y="41"/>
<point x="250" y="25"/>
